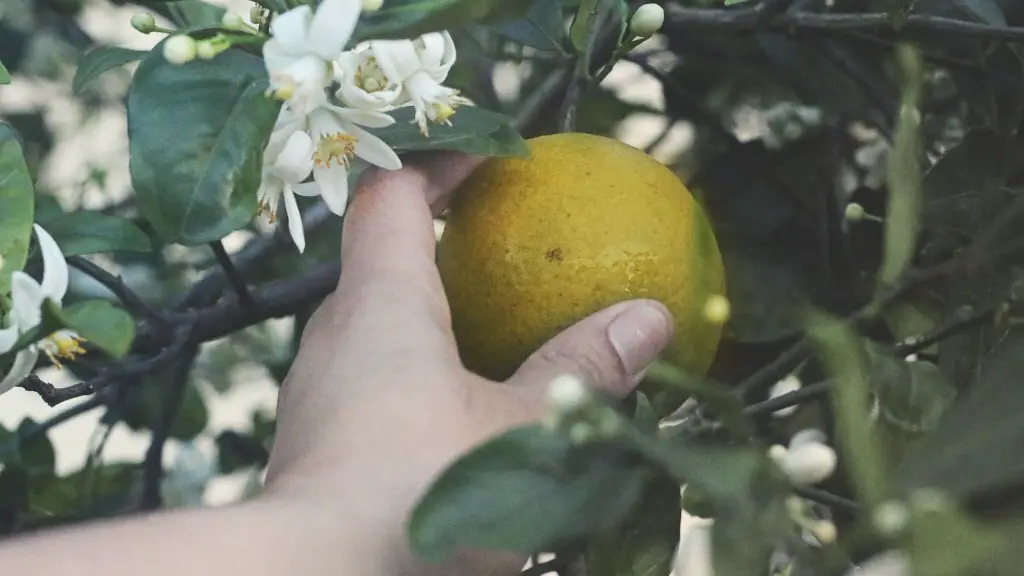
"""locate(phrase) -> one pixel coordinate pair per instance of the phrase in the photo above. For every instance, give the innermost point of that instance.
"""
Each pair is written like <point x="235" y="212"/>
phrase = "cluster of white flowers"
<point x="25" y="314"/>
<point x="314" y="135"/>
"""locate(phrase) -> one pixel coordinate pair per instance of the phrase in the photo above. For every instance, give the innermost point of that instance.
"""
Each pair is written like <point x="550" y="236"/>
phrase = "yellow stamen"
<point x="443" y="113"/>
<point x="370" y="77"/>
<point x="64" y="345"/>
<point x="266" y="208"/>
<point x="338" y="147"/>
<point x="282" y="87"/>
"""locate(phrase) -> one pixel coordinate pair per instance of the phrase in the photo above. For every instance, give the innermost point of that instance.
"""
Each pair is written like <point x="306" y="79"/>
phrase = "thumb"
<point x="609" y="350"/>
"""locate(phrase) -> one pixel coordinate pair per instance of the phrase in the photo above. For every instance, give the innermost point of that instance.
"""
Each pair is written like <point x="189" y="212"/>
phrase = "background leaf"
<point x="5" y="76"/>
<point x="96" y="62"/>
<point x="527" y="490"/>
<point x="16" y="207"/>
<point x="473" y="131"/>
<point x="101" y="323"/>
<point x="200" y="185"/>
<point x="410" y="18"/>
<point x="191" y="14"/>
<point x="83" y="232"/>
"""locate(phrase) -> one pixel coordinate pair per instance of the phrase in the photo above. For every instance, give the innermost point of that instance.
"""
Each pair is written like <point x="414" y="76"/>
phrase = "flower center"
<point x="338" y="147"/>
<point x="443" y="112"/>
<point x="63" y="345"/>
<point x="370" y="77"/>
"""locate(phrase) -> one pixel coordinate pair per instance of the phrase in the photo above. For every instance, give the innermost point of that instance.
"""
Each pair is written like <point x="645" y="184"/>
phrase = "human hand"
<point x="377" y="403"/>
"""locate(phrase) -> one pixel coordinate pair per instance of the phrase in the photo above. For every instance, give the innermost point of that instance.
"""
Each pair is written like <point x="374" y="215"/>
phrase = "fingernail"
<point x="638" y="334"/>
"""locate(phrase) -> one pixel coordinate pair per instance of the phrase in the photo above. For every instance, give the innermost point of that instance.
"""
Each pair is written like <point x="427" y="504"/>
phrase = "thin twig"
<point x="828" y="499"/>
<point x="116" y="285"/>
<point x="152" y="465"/>
<point x="43" y="427"/>
<point x="805" y="394"/>
<point x="582" y="78"/>
<point x="233" y="275"/>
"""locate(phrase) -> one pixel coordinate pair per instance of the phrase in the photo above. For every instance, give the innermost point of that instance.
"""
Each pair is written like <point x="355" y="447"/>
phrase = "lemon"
<point x="533" y="245"/>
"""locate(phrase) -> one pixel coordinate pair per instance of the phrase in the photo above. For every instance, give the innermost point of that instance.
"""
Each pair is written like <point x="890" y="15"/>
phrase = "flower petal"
<point x="26" y="300"/>
<point x="332" y="27"/>
<point x="375" y="151"/>
<point x="292" y="28"/>
<point x="55" y="268"/>
<point x="366" y="118"/>
<point x="333" y="183"/>
<point x="24" y="363"/>
<point x="295" y="162"/>
<point x="8" y="338"/>
<point x="397" y="58"/>
<point x="276" y="57"/>
<point x="433" y="51"/>
<point x="307" y="189"/>
<point x="291" y="206"/>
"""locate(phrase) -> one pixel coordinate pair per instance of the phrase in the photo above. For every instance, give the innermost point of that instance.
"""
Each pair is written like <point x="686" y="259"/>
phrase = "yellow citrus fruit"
<point x="533" y="245"/>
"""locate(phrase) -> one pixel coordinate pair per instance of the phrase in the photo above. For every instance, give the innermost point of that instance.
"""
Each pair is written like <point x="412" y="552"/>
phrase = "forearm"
<point x="267" y="536"/>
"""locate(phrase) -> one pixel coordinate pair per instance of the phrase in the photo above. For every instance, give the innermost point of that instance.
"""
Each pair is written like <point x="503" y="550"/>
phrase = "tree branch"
<point x="152" y="465"/>
<point x="116" y="285"/>
<point x="760" y="18"/>
<point x="233" y="275"/>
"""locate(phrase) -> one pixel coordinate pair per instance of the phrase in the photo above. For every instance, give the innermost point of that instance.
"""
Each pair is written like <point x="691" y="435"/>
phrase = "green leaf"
<point x="646" y="544"/>
<point x="16" y="207"/>
<point x="844" y="358"/>
<point x="200" y="185"/>
<point x="473" y="131"/>
<point x="526" y="490"/>
<point x="945" y="542"/>
<point x="36" y="456"/>
<point x="970" y="451"/>
<point x="275" y="5"/>
<point x="912" y="396"/>
<point x="148" y="408"/>
<point x="236" y="451"/>
<point x="103" y="325"/>
<point x="982" y="11"/>
<point x="409" y="18"/>
<point x="14" y="495"/>
<point x="582" y="22"/>
<point x="89" y="491"/>
<point x="86" y="232"/>
<point x="95" y="63"/>
<point x="903" y="215"/>
<point x="5" y="76"/>
<point x="190" y="14"/>
<point x="541" y="28"/>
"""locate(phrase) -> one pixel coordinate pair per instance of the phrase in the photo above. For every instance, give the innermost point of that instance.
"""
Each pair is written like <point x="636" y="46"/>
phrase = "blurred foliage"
<point x="867" y="171"/>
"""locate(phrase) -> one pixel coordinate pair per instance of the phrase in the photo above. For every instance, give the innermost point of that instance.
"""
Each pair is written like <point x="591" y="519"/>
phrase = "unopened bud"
<point x="785" y="386"/>
<point x="232" y="21"/>
<point x="372" y="5"/>
<point x="807" y="436"/>
<point x="180" y="49"/>
<point x="810" y="464"/>
<point x="256" y="15"/>
<point x="581" y="433"/>
<point x="891" y="518"/>
<point x="717" y="309"/>
<point x="825" y="531"/>
<point x="566" y="394"/>
<point x="143" y="22"/>
<point x="777" y="453"/>
<point x="206" y="50"/>
<point x="855" y="212"/>
<point x="648" y="19"/>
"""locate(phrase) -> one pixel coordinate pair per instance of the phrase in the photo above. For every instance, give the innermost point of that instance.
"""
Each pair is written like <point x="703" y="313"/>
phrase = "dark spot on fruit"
<point x="554" y="255"/>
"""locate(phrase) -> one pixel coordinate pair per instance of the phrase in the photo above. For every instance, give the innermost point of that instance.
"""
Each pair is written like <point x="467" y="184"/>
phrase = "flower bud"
<point x="206" y="50"/>
<point x="810" y="463"/>
<point x="256" y="15"/>
<point x="232" y="21"/>
<point x="891" y="518"/>
<point x="717" y="309"/>
<point x="372" y="5"/>
<point x="143" y="22"/>
<point x="566" y="394"/>
<point x="825" y="531"/>
<point x="648" y="19"/>
<point x="855" y="212"/>
<point x="180" y="49"/>
<point x="807" y="436"/>
<point x="778" y="453"/>
<point x="788" y="384"/>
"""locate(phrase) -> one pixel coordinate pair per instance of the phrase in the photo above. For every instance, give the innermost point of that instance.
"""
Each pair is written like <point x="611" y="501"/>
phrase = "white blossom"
<point x="287" y="161"/>
<point x="421" y="66"/>
<point x="27" y="297"/>
<point x="303" y="46"/>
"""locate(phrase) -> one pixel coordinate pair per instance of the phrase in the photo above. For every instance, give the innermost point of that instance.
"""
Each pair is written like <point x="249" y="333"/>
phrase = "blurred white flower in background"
<point x="184" y="484"/>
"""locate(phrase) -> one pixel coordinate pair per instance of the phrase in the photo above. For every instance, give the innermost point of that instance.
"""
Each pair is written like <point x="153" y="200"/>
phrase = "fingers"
<point x="443" y="172"/>
<point x="609" y="350"/>
<point x="388" y="277"/>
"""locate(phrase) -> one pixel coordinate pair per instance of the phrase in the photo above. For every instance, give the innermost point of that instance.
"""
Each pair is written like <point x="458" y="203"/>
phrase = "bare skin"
<point x="375" y="406"/>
